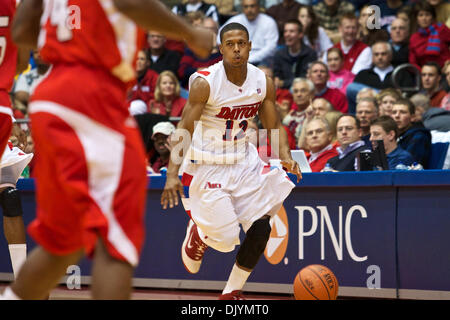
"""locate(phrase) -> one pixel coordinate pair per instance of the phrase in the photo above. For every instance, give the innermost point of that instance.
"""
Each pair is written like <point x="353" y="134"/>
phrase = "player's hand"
<point x="170" y="193"/>
<point x="201" y="42"/>
<point x="291" y="166"/>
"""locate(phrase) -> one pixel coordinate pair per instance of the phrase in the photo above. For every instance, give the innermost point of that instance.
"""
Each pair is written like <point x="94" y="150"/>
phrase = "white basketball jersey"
<point x="220" y="136"/>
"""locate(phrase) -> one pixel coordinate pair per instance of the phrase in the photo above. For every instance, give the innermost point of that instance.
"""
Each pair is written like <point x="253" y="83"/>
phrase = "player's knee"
<point x="224" y="239"/>
<point x="11" y="203"/>
<point x="254" y="244"/>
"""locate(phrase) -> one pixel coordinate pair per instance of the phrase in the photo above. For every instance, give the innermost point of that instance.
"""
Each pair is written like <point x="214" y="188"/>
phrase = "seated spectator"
<point x="399" y="33"/>
<point x="386" y="99"/>
<point x="321" y="106"/>
<point x="339" y="77"/>
<point x="209" y="9"/>
<point x="26" y="82"/>
<point x="357" y="55"/>
<point x="282" y="12"/>
<point x="366" y="93"/>
<point x="349" y="138"/>
<point x="160" y="159"/>
<point x="384" y="128"/>
<point x="366" y="111"/>
<point x="291" y="61"/>
<point x="167" y="99"/>
<point x="161" y="58"/>
<point x="388" y="11"/>
<point x="433" y="118"/>
<point x="146" y="78"/>
<point x="421" y="103"/>
<point x="431" y="83"/>
<point x="190" y="63"/>
<point x="329" y="12"/>
<point x="332" y="118"/>
<point x="262" y="29"/>
<point x="318" y="74"/>
<point x="445" y="103"/>
<point x="314" y="35"/>
<point x="432" y="39"/>
<point x="369" y="35"/>
<point x="414" y="138"/>
<point x="442" y="9"/>
<point x="318" y="140"/>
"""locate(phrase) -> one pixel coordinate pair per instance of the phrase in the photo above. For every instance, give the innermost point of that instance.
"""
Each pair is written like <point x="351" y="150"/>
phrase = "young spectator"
<point x="144" y="89"/>
<point x="161" y="132"/>
<point x="209" y="9"/>
<point x="431" y="83"/>
<point x="161" y="58"/>
<point x="291" y="61"/>
<point x="329" y="12"/>
<point x="384" y="128"/>
<point x="190" y="63"/>
<point x="369" y="35"/>
<point x="167" y="99"/>
<point x="366" y="111"/>
<point x="386" y="99"/>
<point x="399" y="33"/>
<point x="282" y="12"/>
<point x="262" y="29"/>
<point x="318" y="74"/>
<point x="339" y="78"/>
<point x="349" y="138"/>
<point x="432" y="39"/>
<point x="318" y="140"/>
<point x="357" y="55"/>
<point x="414" y="138"/>
<point x="445" y="103"/>
<point x="314" y="35"/>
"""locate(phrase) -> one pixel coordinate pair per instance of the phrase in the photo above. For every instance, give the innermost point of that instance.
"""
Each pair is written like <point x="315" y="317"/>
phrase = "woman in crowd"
<point x="339" y="78"/>
<point x="167" y="99"/>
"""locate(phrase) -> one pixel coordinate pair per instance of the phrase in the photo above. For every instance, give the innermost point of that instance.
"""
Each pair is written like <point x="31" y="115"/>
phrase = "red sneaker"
<point x="193" y="249"/>
<point x="233" y="295"/>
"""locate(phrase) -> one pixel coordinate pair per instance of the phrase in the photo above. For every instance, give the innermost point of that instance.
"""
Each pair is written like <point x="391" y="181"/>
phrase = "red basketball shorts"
<point x="5" y="120"/>
<point x="90" y="166"/>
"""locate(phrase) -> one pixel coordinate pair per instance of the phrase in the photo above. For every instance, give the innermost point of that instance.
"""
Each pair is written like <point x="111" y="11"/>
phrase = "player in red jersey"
<point x="90" y="165"/>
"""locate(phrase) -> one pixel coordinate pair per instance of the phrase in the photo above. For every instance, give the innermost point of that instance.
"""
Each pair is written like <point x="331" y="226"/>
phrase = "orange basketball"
<point x="315" y="282"/>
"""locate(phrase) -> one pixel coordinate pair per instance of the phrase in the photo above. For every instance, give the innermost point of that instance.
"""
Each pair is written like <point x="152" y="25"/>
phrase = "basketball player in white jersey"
<point x="225" y="176"/>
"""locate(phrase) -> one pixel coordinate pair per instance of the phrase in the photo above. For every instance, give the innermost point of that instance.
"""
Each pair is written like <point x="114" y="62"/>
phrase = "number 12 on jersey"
<point x="229" y="129"/>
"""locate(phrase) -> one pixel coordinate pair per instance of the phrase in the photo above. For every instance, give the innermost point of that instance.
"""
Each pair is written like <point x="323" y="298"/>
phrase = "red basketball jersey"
<point x="89" y="32"/>
<point x="8" y="51"/>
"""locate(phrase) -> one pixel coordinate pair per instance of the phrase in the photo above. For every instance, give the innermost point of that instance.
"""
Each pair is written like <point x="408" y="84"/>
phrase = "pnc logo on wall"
<point x="279" y="237"/>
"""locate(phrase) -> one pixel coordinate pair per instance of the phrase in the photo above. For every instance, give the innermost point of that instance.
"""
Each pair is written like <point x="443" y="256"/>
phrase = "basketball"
<point x="315" y="282"/>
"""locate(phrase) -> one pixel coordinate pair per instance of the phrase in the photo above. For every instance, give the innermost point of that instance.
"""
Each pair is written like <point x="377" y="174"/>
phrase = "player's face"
<point x="347" y="132"/>
<point x="167" y="86"/>
<point x="235" y="48"/>
<point x="334" y="61"/>
<point x="401" y="115"/>
<point x="317" y="136"/>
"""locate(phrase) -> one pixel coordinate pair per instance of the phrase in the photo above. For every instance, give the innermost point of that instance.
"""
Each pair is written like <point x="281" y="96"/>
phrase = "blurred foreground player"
<point x="90" y="168"/>
<point x="228" y="185"/>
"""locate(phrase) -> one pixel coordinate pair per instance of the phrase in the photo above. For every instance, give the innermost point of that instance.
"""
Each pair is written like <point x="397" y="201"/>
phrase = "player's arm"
<point x="154" y="15"/>
<point x="26" y="24"/>
<point x="271" y="121"/>
<point x="198" y="97"/>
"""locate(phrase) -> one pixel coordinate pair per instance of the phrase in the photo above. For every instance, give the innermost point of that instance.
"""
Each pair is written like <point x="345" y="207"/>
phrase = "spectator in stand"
<point x="329" y="12"/>
<point x="421" y="103"/>
<point x="384" y="128"/>
<point x="388" y="11"/>
<point x="262" y="29"/>
<point x="318" y="141"/>
<point x="161" y="58"/>
<point x="282" y="12"/>
<point x="431" y="83"/>
<point x="366" y="111"/>
<point x="357" y="55"/>
<point x="321" y="107"/>
<point x="433" y="118"/>
<point x="144" y="89"/>
<point x="445" y="103"/>
<point x="367" y="33"/>
<point x="190" y="63"/>
<point x="399" y="33"/>
<point x="209" y="9"/>
<point x="442" y="9"/>
<point x="291" y="61"/>
<point x="160" y="159"/>
<point x="167" y="99"/>
<point x="405" y="14"/>
<point x="349" y="138"/>
<point x="314" y="35"/>
<point x="386" y="99"/>
<point x="339" y="77"/>
<point x="413" y="137"/>
<point x="332" y="118"/>
<point x="432" y="39"/>
<point x="318" y="74"/>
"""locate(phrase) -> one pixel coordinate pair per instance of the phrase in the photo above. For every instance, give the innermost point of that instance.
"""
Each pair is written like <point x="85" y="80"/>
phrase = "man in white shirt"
<point x="262" y="29"/>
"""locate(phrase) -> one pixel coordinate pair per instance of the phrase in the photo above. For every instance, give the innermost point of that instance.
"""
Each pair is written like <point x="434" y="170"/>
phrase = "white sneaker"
<point x="193" y="249"/>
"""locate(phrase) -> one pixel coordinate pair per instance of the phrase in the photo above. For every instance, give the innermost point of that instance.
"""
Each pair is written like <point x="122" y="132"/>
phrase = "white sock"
<point x="8" y="294"/>
<point x="237" y="279"/>
<point x="18" y="254"/>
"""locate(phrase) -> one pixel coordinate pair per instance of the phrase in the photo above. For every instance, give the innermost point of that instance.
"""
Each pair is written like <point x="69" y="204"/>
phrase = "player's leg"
<point x="13" y="226"/>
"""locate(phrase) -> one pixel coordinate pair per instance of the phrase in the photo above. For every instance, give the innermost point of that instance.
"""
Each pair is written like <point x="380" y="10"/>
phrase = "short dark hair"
<point x="424" y="6"/>
<point x="233" y="26"/>
<point x="357" y="122"/>
<point x="296" y="22"/>
<point x="387" y="123"/>
<point x="408" y="103"/>
<point x="434" y="65"/>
